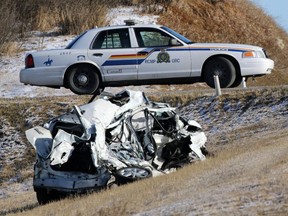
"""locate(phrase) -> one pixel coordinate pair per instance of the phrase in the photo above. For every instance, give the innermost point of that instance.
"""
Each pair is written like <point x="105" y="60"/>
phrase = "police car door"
<point x="160" y="56"/>
<point x="112" y="52"/>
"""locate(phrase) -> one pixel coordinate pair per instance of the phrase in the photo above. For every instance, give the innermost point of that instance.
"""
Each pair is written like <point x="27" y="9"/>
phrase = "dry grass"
<point x="7" y="24"/>
<point x="177" y="98"/>
<point x="18" y="203"/>
<point x="17" y="18"/>
<point x="10" y="48"/>
<point x="71" y="17"/>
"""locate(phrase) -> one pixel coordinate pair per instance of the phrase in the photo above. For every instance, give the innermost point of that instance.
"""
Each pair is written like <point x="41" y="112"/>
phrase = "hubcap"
<point x="134" y="172"/>
<point x="82" y="79"/>
<point x="218" y="72"/>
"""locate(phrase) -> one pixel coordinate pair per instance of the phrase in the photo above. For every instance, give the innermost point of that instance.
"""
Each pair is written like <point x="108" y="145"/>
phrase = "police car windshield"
<point x="176" y="34"/>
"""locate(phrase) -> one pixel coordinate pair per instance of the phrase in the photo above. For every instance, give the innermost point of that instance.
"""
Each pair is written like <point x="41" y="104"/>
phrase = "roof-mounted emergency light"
<point x="130" y="22"/>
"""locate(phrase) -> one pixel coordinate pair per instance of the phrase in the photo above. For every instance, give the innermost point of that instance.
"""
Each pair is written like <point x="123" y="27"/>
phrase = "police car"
<point x="137" y="54"/>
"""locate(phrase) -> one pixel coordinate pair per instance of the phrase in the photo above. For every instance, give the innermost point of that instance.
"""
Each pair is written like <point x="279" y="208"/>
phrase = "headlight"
<point x="253" y="54"/>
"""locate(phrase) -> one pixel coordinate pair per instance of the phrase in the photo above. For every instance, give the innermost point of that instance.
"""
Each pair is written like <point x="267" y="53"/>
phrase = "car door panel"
<point x="112" y="51"/>
<point x="119" y="65"/>
<point x="158" y="59"/>
<point x="166" y="62"/>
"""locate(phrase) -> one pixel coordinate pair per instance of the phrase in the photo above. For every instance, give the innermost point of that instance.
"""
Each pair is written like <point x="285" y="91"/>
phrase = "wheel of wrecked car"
<point x="83" y="79"/>
<point x="222" y="67"/>
<point x="130" y="174"/>
<point x="43" y="197"/>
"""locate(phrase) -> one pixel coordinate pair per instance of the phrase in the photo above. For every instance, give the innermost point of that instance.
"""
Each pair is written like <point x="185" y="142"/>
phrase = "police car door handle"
<point x="98" y="54"/>
<point x="142" y="53"/>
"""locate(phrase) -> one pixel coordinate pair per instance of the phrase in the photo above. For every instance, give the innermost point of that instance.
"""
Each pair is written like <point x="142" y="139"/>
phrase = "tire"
<point x="83" y="79"/>
<point x="43" y="197"/>
<point x="237" y="81"/>
<point x="130" y="174"/>
<point x="222" y="67"/>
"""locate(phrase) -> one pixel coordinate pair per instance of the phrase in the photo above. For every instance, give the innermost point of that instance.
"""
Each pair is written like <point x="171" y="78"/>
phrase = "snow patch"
<point x="116" y="16"/>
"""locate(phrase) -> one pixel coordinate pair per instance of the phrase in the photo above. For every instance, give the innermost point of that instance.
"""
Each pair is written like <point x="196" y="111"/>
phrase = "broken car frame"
<point x="112" y="140"/>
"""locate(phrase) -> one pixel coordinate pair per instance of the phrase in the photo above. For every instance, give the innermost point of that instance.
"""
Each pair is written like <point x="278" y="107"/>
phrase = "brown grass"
<point x="17" y="18"/>
<point x="7" y="24"/>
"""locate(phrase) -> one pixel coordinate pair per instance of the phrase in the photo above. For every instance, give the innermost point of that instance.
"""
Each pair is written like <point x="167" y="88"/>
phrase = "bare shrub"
<point x="9" y="48"/>
<point x="16" y="18"/>
<point x="26" y="12"/>
<point x="47" y="17"/>
<point x="7" y="24"/>
<point x="72" y="17"/>
<point x="75" y="17"/>
<point x="214" y="1"/>
<point x="153" y="6"/>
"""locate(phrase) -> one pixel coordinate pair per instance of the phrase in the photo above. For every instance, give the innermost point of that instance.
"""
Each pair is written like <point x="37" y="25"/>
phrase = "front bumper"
<point x="256" y="67"/>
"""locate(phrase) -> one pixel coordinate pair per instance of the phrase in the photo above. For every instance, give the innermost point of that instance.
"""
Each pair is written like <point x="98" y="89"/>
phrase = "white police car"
<point x="135" y="54"/>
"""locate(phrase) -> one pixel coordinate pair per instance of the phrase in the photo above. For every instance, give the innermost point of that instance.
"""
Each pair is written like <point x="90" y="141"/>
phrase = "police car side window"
<point x="112" y="39"/>
<point x="151" y="37"/>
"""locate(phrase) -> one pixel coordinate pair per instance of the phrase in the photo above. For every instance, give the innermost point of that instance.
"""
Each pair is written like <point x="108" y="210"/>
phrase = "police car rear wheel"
<point x="83" y="79"/>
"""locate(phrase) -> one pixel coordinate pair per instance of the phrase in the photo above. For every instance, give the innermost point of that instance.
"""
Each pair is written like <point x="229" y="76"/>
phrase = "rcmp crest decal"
<point x="163" y="56"/>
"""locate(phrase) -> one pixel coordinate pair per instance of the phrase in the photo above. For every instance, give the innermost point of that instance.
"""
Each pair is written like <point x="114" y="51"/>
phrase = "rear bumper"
<point x="72" y="185"/>
<point x="48" y="76"/>
<point x="68" y="181"/>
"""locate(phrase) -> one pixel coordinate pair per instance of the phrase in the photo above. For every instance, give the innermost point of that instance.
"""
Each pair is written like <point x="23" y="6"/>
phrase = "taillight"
<point x="29" y="62"/>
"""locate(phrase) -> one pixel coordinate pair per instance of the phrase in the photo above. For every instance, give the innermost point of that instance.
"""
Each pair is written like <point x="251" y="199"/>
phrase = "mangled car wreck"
<point x="113" y="140"/>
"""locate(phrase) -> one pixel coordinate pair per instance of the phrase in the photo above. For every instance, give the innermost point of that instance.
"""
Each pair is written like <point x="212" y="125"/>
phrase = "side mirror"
<point x="174" y="42"/>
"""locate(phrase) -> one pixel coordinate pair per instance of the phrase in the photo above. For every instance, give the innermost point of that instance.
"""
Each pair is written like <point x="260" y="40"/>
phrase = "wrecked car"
<point x="113" y="140"/>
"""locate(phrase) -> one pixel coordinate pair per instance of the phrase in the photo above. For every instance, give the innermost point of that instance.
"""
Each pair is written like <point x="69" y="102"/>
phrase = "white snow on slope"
<point x="116" y="16"/>
<point x="10" y="66"/>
